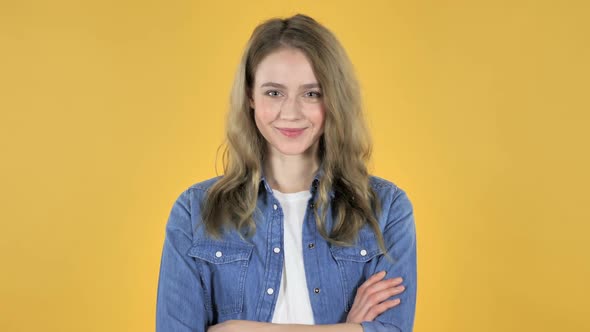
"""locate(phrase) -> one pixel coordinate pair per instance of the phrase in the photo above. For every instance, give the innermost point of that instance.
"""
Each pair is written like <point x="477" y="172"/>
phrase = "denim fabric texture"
<point x="203" y="282"/>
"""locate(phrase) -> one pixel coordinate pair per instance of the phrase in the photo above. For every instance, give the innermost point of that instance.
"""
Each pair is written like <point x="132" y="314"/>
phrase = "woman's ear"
<point x="250" y="99"/>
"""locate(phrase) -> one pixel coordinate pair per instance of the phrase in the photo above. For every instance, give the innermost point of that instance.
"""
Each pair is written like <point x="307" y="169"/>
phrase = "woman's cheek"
<point x="266" y="104"/>
<point x="316" y="114"/>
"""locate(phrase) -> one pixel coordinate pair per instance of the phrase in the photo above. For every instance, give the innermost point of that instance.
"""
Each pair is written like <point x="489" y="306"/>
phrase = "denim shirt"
<point x="203" y="282"/>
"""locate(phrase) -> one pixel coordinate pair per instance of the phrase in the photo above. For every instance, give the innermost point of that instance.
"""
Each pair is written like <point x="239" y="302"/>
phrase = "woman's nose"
<point x="290" y="109"/>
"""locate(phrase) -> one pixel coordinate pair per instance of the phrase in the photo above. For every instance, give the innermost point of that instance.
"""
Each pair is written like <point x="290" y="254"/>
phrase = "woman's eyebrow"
<point x="302" y="86"/>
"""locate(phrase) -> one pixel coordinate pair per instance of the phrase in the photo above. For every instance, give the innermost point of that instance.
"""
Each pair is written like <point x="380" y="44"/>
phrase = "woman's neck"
<point x="290" y="174"/>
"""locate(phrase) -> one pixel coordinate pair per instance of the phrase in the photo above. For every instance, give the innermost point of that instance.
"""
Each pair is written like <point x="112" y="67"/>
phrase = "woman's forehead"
<point x="286" y="67"/>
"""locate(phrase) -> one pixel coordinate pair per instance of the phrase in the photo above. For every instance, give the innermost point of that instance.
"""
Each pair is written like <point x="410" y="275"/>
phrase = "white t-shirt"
<point x="293" y="305"/>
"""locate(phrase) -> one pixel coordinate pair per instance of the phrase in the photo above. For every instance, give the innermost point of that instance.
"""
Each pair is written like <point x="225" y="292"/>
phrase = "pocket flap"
<point x="365" y="249"/>
<point x="357" y="253"/>
<point x="220" y="252"/>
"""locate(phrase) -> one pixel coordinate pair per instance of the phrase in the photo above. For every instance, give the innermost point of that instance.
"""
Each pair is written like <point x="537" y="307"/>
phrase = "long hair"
<point x="344" y="148"/>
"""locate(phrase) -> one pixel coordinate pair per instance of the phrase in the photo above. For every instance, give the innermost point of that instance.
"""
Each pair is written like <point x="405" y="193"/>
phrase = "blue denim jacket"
<point x="203" y="282"/>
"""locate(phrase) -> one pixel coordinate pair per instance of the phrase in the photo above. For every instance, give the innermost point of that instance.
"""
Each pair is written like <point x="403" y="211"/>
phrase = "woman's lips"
<point x="291" y="132"/>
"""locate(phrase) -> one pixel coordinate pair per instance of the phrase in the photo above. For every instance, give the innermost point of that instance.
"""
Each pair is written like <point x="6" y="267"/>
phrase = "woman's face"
<point x="288" y="104"/>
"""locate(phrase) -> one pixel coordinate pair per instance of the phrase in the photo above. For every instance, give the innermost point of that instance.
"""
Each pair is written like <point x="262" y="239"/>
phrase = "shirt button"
<point x="218" y="254"/>
<point x="316" y="290"/>
<point x="311" y="205"/>
<point x="274" y="206"/>
<point x="311" y="246"/>
<point x="270" y="291"/>
<point x="363" y="252"/>
<point x="277" y="250"/>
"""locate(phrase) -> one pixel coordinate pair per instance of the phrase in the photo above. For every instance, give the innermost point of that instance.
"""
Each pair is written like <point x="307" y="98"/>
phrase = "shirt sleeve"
<point x="400" y="239"/>
<point x="180" y="300"/>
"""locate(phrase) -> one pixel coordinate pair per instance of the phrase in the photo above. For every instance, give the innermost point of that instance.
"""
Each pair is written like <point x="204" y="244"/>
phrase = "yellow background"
<point x="479" y="110"/>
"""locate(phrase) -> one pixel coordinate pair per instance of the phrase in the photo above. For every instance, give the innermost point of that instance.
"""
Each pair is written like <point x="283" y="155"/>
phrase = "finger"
<point x="383" y="284"/>
<point x="396" y="281"/>
<point x="360" y="298"/>
<point x="383" y="295"/>
<point x="363" y="296"/>
<point x="381" y="308"/>
<point x="374" y="284"/>
<point x="369" y="300"/>
<point x="377" y="287"/>
<point x="372" y="280"/>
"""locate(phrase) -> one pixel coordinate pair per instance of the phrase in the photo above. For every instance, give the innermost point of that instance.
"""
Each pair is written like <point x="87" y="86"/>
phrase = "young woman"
<point x="296" y="235"/>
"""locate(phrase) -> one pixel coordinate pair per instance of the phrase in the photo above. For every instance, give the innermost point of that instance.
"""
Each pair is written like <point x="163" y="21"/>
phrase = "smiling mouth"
<point x="291" y="132"/>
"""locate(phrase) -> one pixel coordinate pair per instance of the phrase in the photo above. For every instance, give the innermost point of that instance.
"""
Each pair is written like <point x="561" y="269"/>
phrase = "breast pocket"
<point x="354" y="264"/>
<point x="223" y="267"/>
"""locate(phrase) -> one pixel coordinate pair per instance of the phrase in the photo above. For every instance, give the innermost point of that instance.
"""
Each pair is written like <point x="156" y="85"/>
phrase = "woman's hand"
<point x="369" y="301"/>
<point x="238" y="325"/>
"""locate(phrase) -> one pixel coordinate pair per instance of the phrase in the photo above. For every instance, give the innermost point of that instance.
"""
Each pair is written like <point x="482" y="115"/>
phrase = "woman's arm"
<point x="180" y="301"/>
<point x="400" y="238"/>
<point x="249" y="326"/>
<point x="369" y="303"/>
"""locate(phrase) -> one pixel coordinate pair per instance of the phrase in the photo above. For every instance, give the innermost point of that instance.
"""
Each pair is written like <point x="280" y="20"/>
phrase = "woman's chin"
<point x="291" y="150"/>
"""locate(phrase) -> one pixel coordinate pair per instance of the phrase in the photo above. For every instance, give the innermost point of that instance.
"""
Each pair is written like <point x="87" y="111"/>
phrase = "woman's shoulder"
<point x="204" y="185"/>
<point x="187" y="205"/>
<point x="384" y="186"/>
<point x="195" y="192"/>
<point x="390" y="194"/>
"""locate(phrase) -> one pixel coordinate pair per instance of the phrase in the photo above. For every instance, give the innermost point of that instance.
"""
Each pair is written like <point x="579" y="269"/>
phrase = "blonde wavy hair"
<point x="344" y="148"/>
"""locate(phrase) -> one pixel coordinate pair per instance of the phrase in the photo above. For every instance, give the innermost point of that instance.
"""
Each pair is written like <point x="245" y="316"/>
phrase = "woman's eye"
<point x="272" y="93"/>
<point x="313" y="94"/>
